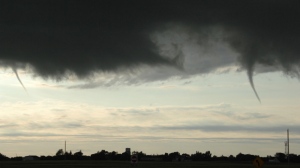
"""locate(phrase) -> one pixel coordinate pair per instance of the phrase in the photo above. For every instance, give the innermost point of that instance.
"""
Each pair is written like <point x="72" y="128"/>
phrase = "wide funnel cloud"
<point x="58" y="38"/>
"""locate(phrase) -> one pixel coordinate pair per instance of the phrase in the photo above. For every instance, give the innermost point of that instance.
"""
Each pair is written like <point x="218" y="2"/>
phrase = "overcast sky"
<point x="155" y="76"/>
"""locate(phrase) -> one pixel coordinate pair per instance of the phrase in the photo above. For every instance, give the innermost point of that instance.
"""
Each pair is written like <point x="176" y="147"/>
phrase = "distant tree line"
<point x="168" y="157"/>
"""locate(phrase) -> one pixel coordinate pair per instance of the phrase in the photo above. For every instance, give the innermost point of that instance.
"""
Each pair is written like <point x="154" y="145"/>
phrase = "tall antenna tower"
<point x="288" y="141"/>
<point x="65" y="150"/>
<point x="286" y="148"/>
<point x="65" y="146"/>
<point x="287" y="145"/>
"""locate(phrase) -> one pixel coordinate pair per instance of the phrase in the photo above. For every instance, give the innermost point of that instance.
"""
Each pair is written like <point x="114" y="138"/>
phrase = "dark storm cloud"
<point x="57" y="38"/>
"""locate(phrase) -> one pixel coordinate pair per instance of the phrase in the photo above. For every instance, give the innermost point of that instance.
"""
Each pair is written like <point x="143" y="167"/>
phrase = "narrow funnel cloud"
<point x="17" y="75"/>
<point x="250" y="76"/>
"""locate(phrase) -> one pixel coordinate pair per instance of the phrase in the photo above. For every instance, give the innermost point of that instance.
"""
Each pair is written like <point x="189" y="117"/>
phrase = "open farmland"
<point x="120" y="164"/>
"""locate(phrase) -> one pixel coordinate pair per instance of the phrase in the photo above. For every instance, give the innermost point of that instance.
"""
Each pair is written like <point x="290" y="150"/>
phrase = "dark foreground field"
<point x="119" y="164"/>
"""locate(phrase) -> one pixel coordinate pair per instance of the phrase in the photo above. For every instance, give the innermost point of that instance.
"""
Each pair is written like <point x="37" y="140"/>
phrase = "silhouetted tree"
<point x="17" y="158"/>
<point x="3" y="157"/>
<point x="281" y="157"/>
<point x="294" y="158"/>
<point x="47" y="158"/>
<point x="60" y="155"/>
<point x="245" y="157"/>
<point x="60" y="152"/>
<point x="125" y="156"/>
<point x="79" y="153"/>
<point x="231" y="158"/>
<point x="185" y="157"/>
<point x="140" y="154"/>
<point x="166" y="157"/>
<point x="69" y="153"/>
<point x="112" y="155"/>
<point x="207" y="156"/>
<point x="99" y="155"/>
<point x="222" y="158"/>
<point x="198" y="156"/>
<point x="174" y="156"/>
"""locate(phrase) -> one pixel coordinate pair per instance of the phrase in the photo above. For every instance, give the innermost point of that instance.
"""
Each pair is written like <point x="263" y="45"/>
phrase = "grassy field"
<point x="119" y="164"/>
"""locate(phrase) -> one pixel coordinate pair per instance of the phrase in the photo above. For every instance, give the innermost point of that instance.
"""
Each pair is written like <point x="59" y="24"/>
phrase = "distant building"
<point x="127" y="150"/>
<point x="30" y="158"/>
<point x="273" y="160"/>
<point x="152" y="158"/>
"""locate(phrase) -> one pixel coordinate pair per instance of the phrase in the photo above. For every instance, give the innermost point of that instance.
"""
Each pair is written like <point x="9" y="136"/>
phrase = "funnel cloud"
<point x="56" y="39"/>
<point x="17" y="75"/>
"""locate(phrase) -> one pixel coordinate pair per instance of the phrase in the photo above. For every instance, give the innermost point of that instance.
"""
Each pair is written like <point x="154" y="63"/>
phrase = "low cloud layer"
<point x="85" y="122"/>
<point x="150" y="128"/>
<point x="140" y="41"/>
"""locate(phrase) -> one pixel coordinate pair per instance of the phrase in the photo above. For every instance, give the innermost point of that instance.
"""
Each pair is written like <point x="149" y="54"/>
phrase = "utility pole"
<point x="65" y="150"/>
<point x="288" y="145"/>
